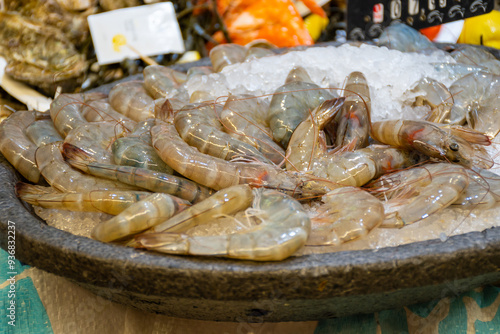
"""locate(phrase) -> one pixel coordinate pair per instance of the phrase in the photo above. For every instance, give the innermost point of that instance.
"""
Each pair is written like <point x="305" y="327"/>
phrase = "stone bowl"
<point x="308" y="287"/>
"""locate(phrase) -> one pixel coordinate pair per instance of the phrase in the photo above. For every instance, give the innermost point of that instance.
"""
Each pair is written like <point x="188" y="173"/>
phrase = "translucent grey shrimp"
<point x="427" y="138"/>
<point x="256" y="52"/>
<point x="305" y="145"/>
<point x="244" y="118"/>
<point x="306" y="154"/>
<point x="483" y="191"/>
<point x="42" y="132"/>
<point x="16" y="147"/>
<point x="399" y="36"/>
<point x="199" y="70"/>
<point x="162" y="81"/>
<point x="136" y="152"/>
<point x="347" y="213"/>
<point x="476" y="56"/>
<point x="101" y="110"/>
<point x="96" y="139"/>
<point x="198" y="124"/>
<point x="455" y="71"/>
<point x="477" y="97"/>
<point x="363" y="165"/>
<point x="292" y="102"/>
<point x="61" y="176"/>
<point x="218" y="174"/>
<point x="131" y="99"/>
<point x="435" y="95"/>
<point x="108" y="201"/>
<point x="284" y="229"/>
<point x="423" y="190"/>
<point x="139" y="217"/>
<point x="226" y="54"/>
<point x="65" y="110"/>
<point x="140" y="177"/>
<point x="226" y="201"/>
<point x="200" y="96"/>
<point x="353" y="121"/>
<point x="136" y="149"/>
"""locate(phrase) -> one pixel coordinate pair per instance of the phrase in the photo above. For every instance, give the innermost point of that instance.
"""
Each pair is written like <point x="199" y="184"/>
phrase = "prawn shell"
<point x="138" y="217"/>
<point x="16" y="147"/>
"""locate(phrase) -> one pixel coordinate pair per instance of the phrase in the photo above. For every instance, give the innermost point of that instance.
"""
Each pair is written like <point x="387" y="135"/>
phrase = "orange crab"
<point x="276" y="21"/>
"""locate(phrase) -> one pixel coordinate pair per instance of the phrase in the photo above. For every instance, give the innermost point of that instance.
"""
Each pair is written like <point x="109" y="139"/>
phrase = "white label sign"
<point x="125" y="33"/>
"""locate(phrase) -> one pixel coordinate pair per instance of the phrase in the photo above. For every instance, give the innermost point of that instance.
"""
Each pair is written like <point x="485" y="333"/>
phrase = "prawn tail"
<point x="165" y="112"/>
<point x="30" y="193"/>
<point x="76" y="157"/>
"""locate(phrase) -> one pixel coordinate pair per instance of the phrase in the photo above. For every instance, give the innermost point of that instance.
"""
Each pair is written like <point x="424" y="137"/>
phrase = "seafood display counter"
<point x="299" y="288"/>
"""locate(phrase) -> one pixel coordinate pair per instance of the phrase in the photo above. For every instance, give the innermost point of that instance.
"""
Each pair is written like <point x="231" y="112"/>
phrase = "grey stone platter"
<point x="298" y="289"/>
<point x="302" y="288"/>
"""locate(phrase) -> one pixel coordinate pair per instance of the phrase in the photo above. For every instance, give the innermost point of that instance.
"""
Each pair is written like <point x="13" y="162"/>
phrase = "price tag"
<point x="129" y="32"/>
<point x="365" y="20"/>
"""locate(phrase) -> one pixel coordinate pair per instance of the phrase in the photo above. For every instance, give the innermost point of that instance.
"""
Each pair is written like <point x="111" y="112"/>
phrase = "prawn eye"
<point x="454" y="147"/>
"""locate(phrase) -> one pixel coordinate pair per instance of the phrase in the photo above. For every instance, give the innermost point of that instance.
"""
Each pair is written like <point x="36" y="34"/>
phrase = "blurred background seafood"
<point x="47" y="44"/>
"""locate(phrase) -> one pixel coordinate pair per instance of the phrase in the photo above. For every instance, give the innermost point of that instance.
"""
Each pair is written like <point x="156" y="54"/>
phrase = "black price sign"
<point x="366" y="19"/>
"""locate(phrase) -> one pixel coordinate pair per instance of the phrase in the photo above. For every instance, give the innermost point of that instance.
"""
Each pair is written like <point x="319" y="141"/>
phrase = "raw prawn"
<point x="16" y="147"/>
<point x="292" y="102"/>
<point x="198" y="124"/>
<point x="224" y="202"/>
<point x="420" y="191"/>
<point x="107" y="201"/>
<point x="306" y="154"/>
<point x="161" y="81"/>
<point x="101" y="110"/>
<point x="199" y="71"/>
<point x="243" y="118"/>
<point x="471" y="55"/>
<point x="65" y="110"/>
<point x="284" y="229"/>
<point x="435" y="95"/>
<point x="347" y="213"/>
<point x="305" y="144"/>
<point x="226" y="54"/>
<point x="96" y="138"/>
<point x="477" y="97"/>
<point x="139" y="216"/>
<point x="136" y="152"/>
<point x="217" y="174"/>
<point x="42" y="132"/>
<point x="483" y="190"/>
<point x="61" y="176"/>
<point x="353" y="121"/>
<point x="429" y="139"/>
<point x="140" y="177"/>
<point x="136" y="149"/>
<point x="131" y="99"/>
<point x="399" y="36"/>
